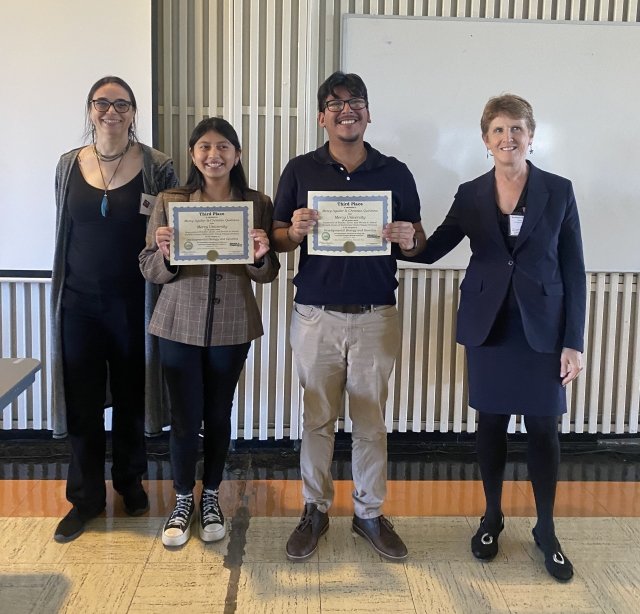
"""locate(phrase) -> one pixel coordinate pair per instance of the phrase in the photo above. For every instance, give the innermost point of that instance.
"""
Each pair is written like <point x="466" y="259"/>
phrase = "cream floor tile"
<point x="115" y="540"/>
<point x="529" y="589"/>
<point x="101" y="587"/>
<point x="631" y="526"/>
<point x="69" y="587"/>
<point x="266" y="539"/>
<point x="516" y="541"/>
<point x="435" y="537"/>
<point x="30" y="540"/>
<point x="339" y="545"/>
<point x="598" y="539"/>
<point x="29" y="588"/>
<point x="364" y="588"/>
<point x="615" y="586"/>
<point x="455" y="588"/>
<point x="267" y="588"/>
<point x="181" y="587"/>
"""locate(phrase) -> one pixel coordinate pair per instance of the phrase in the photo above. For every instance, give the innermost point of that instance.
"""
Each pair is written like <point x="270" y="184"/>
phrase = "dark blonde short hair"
<point x="510" y="105"/>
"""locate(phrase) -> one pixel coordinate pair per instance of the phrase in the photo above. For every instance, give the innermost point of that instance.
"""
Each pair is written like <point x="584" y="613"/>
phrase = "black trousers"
<point x="201" y="383"/>
<point x="103" y="340"/>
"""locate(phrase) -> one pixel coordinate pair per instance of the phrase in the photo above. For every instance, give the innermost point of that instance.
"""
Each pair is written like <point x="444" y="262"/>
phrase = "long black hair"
<point x="195" y="180"/>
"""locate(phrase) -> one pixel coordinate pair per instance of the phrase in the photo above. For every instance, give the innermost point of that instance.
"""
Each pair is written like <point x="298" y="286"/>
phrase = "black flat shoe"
<point x="136" y="501"/>
<point x="484" y="544"/>
<point x="70" y="527"/>
<point x="556" y="563"/>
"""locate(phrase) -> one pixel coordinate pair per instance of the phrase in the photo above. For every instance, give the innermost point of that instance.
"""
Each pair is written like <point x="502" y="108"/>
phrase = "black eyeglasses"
<point x="355" y="104"/>
<point x="102" y="105"/>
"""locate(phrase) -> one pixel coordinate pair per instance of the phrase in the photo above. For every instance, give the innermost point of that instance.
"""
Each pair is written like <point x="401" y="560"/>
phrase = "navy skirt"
<point x="507" y="376"/>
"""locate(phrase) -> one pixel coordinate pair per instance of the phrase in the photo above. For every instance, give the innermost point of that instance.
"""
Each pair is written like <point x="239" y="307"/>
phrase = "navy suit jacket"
<point x="546" y="268"/>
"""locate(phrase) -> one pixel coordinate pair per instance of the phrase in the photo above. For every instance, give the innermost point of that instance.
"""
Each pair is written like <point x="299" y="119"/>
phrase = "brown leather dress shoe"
<point x="304" y="539"/>
<point x="380" y="534"/>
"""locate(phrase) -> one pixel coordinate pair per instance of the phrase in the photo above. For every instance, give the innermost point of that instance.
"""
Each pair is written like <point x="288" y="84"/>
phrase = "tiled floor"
<point x="120" y="565"/>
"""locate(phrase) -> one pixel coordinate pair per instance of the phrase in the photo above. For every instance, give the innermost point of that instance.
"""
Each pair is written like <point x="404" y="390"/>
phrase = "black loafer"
<point x="72" y="525"/>
<point x="556" y="563"/>
<point x="484" y="544"/>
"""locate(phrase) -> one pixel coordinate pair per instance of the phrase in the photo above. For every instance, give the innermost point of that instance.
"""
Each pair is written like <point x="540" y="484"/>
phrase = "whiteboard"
<point x="428" y="80"/>
<point x="52" y="53"/>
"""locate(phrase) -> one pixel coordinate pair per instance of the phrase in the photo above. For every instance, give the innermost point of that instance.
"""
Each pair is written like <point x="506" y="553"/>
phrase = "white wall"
<point x="52" y="52"/>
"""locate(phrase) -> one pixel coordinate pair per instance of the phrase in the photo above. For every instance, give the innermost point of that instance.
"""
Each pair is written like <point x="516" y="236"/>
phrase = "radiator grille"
<point x="428" y="389"/>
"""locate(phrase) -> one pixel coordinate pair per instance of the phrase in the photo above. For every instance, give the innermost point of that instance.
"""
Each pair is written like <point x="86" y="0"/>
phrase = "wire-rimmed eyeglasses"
<point x="102" y="105"/>
<point x="355" y="104"/>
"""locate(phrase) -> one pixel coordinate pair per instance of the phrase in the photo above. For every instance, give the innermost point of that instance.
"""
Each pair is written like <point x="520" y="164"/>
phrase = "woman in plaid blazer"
<point x="205" y="318"/>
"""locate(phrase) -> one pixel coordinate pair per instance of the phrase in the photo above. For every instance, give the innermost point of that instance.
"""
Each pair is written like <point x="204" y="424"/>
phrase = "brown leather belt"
<point x="350" y="308"/>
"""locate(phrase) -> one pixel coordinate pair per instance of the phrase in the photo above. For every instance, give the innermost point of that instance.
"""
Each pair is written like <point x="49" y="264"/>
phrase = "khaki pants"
<point x="336" y="352"/>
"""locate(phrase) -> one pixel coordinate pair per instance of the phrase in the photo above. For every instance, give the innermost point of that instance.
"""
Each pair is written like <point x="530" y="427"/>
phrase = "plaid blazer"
<point x="206" y="305"/>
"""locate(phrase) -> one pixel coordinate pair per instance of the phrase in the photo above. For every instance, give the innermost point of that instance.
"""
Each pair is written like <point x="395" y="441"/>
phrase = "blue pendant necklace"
<point x="104" y="204"/>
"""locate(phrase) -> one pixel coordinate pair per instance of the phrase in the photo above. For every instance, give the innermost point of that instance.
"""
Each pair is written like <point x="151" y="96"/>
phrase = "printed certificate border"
<point x="384" y="196"/>
<point x="245" y="207"/>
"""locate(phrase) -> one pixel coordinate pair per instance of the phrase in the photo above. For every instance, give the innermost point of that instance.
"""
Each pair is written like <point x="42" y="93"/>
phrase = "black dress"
<point x="505" y="374"/>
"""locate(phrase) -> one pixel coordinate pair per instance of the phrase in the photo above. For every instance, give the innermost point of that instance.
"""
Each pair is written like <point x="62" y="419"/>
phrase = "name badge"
<point x="147" y="201"/>
<point x="515" y="223"/>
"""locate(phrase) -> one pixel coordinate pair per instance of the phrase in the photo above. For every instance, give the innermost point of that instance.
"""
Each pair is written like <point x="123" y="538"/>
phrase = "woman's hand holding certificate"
<point x="164" y="234"/>
<point x="208" y="233"/>
<point x="260" y="243"/>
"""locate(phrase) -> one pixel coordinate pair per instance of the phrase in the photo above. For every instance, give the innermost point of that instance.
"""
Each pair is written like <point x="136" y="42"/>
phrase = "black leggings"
<point x="543" y="459"/>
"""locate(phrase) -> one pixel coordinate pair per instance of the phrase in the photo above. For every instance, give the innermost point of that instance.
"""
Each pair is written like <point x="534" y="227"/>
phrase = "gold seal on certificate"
<point x="350" y="223"/>
<point x="207" y="233"/>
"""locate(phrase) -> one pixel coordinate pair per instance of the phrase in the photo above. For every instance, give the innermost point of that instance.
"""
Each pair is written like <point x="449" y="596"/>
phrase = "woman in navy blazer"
<point x="521" y="314"/>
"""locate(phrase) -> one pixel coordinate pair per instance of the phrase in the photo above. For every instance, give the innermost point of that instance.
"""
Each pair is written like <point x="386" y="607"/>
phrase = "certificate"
<point x="211" y="233"/>
<point x="350" y="223"/>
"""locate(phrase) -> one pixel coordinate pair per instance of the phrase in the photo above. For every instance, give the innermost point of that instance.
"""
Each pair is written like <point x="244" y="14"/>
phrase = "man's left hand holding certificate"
<point x="350" y="223"/>
<point x="211" y="233"/>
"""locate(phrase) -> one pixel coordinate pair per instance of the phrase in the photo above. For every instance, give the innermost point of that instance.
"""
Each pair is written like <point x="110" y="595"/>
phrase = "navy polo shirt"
<point x="366" y="280"/>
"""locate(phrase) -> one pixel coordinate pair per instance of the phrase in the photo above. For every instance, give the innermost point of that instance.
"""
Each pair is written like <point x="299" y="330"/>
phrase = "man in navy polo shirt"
<point x="345" y="333"/>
